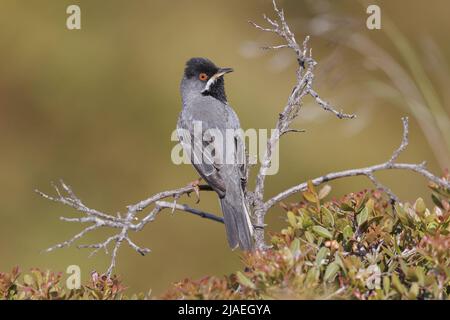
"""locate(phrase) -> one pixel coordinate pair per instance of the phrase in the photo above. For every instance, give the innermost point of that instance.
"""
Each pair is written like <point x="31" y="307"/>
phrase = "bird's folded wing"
<point x="203" y="161"/>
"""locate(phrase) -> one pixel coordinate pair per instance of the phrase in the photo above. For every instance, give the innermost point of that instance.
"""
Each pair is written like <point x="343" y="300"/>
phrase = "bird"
<point x="204" y="101"/>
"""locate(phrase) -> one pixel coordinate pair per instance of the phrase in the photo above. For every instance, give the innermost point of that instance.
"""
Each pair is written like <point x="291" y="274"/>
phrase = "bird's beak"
<point x="214" y="78"/>
<point x="222" y="71"/>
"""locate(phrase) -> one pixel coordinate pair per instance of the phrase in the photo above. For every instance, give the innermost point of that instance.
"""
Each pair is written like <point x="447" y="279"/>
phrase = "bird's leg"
<point x="196" y="184"/>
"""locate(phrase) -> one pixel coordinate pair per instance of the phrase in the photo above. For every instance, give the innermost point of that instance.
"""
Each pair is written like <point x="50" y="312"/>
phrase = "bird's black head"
<point x="206" y="77"/>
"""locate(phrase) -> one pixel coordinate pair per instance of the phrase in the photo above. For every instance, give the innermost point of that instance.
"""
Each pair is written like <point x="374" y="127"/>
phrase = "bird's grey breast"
<point x="211" y="112"/>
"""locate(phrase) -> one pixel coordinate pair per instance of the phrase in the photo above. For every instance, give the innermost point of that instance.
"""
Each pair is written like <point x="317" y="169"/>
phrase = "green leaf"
<point x="436" y="200"/>
<point x="324" y="191"/>
<point x="420" y="275"/>
<point x="288" y="256"/>
<point x="369" y="205"/>
<point x="346" y="207"/>
<point x="309" y="236"/>
<point x="28" y="280"/>
<point x="292" y="219"/>
<point x="311" y="187"/>
<point x="295" y="246"/>
<point x="401" y="214"/>
<point x="38" y="276"/>
<point x="328" y="217"/>
<point x="420" y="206"/>
<point x="246" y="282"/>
<point x="386" y="285"/>
<point x="413" y="291"/>
<point x="312" y="275"/>
<point x="347" y="232"/>
<point x="398" y="285"/>
<point x="331" y="271"/>
<point x="321" y="255"/>
<point x="306" y="221"/>
<point x="432" y="226"/>
<point x="338" y="260"/>
<point x="375" y="220"/>
<point x="311" y="197"/>
<point x="321" y="231"/>
<point x="362" y="216"/>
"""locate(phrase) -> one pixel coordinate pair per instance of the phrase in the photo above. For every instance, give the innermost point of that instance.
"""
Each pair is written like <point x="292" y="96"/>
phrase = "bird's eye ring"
<point x="203" y="76"/>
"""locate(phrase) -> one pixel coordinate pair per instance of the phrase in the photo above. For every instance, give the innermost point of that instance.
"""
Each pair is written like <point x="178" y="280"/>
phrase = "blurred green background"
<point x="97" y="106"/>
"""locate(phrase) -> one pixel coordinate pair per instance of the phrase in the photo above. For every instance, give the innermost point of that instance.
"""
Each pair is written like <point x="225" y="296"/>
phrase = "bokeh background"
<point x="97" y="106"/>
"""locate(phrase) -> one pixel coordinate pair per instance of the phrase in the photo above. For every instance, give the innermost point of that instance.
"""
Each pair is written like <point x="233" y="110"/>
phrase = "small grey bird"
<point x="204" y="100"/>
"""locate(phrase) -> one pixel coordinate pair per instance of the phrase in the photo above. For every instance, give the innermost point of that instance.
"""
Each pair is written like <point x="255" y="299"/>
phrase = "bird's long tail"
<point x="238" y="225"/>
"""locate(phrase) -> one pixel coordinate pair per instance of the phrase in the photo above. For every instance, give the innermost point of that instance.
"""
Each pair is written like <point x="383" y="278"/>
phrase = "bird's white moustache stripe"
<point x="211" y="81"/>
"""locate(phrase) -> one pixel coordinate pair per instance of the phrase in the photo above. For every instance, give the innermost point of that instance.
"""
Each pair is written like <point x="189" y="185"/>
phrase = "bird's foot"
<point x="195" y="184"/>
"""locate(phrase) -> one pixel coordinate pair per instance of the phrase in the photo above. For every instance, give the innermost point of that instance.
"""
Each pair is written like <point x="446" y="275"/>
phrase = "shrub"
<point x="358" y="247"/>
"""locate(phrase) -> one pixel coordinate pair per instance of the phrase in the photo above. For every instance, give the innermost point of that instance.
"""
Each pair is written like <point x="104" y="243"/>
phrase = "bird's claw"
<point x="195" y="184"/>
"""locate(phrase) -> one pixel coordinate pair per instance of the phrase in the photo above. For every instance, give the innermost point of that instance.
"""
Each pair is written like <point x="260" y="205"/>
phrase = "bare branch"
<point x="293" y="131"/>
<point x="404" y="143"/>
<point x="141" y="205"/>
<point x="75" y="203"/>
<point x="382" y="187"/>
<point x="368" y="172"/>
<point x="142" y="251"/>
<point x="302" y="88"/>
<point x="186" y="208"/>
<point x="281" y="46"/>
<point x="73" y="239"/>
<point x="114" y="255"/>
<point x="99" y="219"/>
<point x="327" y="107"/>
<point x="97" y="246"/>
<point x="418" y="168"/>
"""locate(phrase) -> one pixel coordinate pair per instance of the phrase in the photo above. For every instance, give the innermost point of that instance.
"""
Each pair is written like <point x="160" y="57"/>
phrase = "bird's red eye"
<point x="203" y="76"/>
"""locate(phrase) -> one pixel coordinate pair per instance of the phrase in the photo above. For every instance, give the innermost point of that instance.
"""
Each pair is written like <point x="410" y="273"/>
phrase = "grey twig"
<point x="327" y="107"/>
<point x="293" y="131"/>
<point x="382" y="187"/>
<point x="186" y="208"/>
<point x="404" y="143"/>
